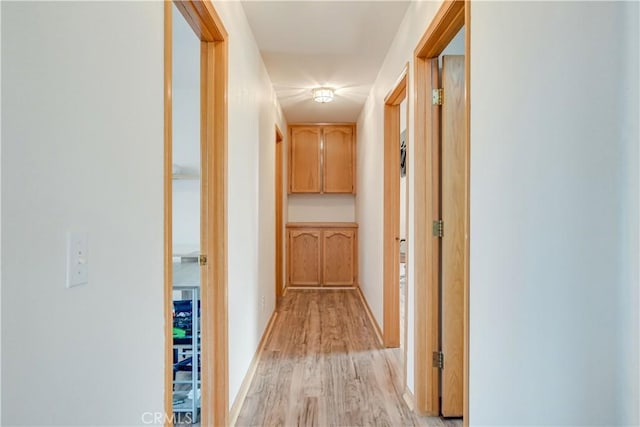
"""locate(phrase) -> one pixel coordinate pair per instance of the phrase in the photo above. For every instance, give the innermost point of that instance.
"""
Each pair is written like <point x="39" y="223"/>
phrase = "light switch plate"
<point x="77" y="259"/>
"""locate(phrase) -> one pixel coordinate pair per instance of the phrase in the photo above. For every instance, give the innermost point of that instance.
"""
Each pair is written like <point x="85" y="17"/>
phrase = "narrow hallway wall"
<point x="253" y="113"/>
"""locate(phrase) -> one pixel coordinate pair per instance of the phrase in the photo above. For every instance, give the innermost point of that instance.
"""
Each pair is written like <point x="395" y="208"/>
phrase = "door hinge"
<point x="438" y="228"/>
<point x="438" y="359"/>
<point x="437" y="96"/>
<point x="202" y="259"/>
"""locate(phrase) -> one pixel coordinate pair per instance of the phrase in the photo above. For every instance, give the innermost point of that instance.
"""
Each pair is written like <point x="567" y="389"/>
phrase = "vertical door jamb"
<point x="279" y="211"/>
<point x="391" y="231"/>
<point x="449" y="19"/>
<point x="205" y="22"/>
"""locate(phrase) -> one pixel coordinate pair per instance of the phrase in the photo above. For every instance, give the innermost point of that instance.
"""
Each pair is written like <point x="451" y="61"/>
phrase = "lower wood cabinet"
<point x="322" y="254"/>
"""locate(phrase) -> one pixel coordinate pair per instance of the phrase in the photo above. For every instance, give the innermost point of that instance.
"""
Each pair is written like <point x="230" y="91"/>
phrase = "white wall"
<point x="554" y="110"/>
<point x="0" y="221"/>
<point x="186" y="135"/>
<point x="629" y="229"/>
<point x="321" y="208"/>
<point x="554" y="293"/>
<point x="82" y="149"/>
<point x="369" y="200"/>
<point x="253" y="114"/>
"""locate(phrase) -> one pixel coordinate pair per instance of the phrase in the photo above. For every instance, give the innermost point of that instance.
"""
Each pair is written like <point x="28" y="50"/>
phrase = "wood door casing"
<point x="279" y="216"/>
<point x="453" y="241"/>
<point x="304" y="160"/>
<point x="338" y="159"/>
<point x="305" y="257"/>
<point x="338" y="263"/>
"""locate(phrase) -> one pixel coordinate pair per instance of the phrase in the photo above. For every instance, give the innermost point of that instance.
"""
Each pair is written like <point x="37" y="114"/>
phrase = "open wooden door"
<point x="453" y="241"/>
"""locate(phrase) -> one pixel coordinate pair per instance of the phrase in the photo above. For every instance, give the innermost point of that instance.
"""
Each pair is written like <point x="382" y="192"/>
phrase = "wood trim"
<point x="445" y="25"/>
<point x="215" y="387"/>
<point x="322" y="225"/>
<point x="409" y="398"/>
<point x="372" y="319"/>
<point x="279" y="214"/>
<point x="319" y="288"/>
<point x="168" y="203"/>
<point x="253" y="367"/>
<point x="467" y="232"/>
<point x="353" y="124"/>
<point x="450" y="18"/>
<point x="203" y="19"/>
<point x="399" y="91"/>
<point x="391" y="232"/>
<point x="426" y="247"/>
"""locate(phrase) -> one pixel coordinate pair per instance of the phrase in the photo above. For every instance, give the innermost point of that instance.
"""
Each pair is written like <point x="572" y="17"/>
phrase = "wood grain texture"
<point x="338" y="159"/>
<point x="443" y="28"/>
<point x="322" y="225"/>
<point x="391" y="233"/>
<point x="338" y="263"/>
<point x="427" y="247"/>
<point x="453" y="241"/>
<point x="333" y="245"/>
<point x="215" y="394"/>
<point x="206" y="23"/>
<point x="323" y="366"/>
<point x="246" y="382"/>
<point x="304" y="159"/>
<point x="467" y="198"/>
<point x="305" y="257"/>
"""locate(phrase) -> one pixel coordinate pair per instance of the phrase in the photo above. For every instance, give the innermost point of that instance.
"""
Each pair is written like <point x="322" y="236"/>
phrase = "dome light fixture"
<point x="323" y="94"/>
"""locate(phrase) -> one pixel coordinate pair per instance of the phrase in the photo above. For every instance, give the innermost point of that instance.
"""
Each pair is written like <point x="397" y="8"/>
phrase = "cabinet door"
<point x="304" y="160"/>
<point x="304" y="257"/>
<point x="338" y="267"/>
<point x="339" y="159"/>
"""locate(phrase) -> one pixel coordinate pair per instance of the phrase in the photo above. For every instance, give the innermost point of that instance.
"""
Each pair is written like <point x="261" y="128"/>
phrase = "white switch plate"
<point x="77" y="259"/>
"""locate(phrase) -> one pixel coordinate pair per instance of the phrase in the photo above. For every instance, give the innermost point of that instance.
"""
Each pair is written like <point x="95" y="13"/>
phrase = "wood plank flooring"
<point x="323" y="366"/>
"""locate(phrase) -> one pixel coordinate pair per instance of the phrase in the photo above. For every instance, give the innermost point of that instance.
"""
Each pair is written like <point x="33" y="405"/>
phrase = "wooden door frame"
<point x="205" y="22"/>
<point x="450" y="18"/>
<point x="391" y="224"/>
<point x="279" y="203"/>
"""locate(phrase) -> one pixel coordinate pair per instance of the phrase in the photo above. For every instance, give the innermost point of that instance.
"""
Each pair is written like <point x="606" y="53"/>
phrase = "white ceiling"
<point x="306" y="44"/>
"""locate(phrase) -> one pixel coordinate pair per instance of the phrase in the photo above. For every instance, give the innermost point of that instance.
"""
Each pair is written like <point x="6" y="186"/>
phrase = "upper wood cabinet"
<point x="322" y="159"/>
<point x="304" y="160"/>
<point x="339" y="159"/>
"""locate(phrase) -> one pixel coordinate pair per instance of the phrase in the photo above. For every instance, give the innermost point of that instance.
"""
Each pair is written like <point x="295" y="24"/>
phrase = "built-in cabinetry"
<point x="322" y="158"/>
<point x="322" y="254"/>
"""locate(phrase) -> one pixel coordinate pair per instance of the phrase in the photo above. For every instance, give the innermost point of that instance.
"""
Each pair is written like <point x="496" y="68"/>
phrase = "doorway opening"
<point x="197" y="264"/>
<point x="395" y="215"/>
<point x="442" y="213"/>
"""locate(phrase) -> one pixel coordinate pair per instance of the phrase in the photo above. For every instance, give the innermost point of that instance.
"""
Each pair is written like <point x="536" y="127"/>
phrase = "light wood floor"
<point x="323" y="366"/>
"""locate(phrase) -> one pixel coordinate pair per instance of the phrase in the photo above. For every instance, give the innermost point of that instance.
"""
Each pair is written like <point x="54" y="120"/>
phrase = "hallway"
<point x="322" y="365"/>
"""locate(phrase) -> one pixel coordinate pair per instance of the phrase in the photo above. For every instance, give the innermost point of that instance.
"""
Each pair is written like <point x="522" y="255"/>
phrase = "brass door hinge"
<point x="202" y="259"/>
<point x="438" y="359"/>
<point x="438" y="228"/>
<point x="437" y="96"/>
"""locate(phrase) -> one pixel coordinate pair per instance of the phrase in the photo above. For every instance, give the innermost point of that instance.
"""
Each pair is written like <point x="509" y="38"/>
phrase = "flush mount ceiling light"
<point x="323" y="94"/>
